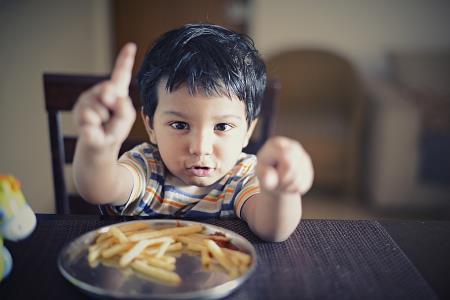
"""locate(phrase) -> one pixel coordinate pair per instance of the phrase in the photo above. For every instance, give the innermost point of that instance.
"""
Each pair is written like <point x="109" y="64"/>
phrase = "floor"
<point x="327" y="207"/>
<point x="323" y="207"/>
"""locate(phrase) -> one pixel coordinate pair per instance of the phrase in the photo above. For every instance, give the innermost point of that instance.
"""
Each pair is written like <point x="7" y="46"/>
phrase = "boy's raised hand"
<point x="284" y="167"/>
<point x="104" y="114"/>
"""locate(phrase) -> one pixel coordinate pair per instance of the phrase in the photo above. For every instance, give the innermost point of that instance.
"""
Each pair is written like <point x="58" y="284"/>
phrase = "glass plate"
<point x="197" y="283"/>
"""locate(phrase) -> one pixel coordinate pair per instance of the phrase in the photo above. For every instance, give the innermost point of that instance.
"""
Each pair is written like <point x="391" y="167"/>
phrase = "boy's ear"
<point x="250" y="132"/>
<point x="148" y="127"/>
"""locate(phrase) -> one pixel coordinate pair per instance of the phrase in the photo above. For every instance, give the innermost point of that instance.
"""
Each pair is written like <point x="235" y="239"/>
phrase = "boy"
<point x="201" y="89"/>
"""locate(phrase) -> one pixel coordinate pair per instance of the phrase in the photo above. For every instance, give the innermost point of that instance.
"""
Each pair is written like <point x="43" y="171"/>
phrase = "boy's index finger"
<point x="121" y="74"/>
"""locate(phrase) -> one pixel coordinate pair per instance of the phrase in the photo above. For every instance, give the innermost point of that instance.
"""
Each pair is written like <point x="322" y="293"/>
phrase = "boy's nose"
<point x="201" y="144"/>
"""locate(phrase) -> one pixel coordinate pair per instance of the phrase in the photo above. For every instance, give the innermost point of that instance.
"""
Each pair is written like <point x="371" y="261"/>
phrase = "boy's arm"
<point x="285" y="172"/>
<point x="98" y="177"/>
<point x="103" y="117"/>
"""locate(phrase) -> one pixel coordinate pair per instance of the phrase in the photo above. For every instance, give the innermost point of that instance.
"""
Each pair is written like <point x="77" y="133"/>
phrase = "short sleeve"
<point x="140" y="163"/>
<point x="134" y="162"/>
<point x="242" y="184"/>
<point x="250" y="187"/>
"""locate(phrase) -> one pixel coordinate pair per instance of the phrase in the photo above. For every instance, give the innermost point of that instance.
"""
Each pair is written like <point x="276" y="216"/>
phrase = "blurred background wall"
<point x="384" y="48"/>
<point x="364" y="31"/>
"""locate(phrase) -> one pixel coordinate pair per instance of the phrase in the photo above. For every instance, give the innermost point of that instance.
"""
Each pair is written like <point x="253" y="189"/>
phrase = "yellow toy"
<point x="17" y="220"/>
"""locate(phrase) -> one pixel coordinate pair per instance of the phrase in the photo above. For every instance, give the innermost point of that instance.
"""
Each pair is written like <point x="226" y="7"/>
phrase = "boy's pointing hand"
<point x="284" y="167"/>
<point x="104" y="114"/>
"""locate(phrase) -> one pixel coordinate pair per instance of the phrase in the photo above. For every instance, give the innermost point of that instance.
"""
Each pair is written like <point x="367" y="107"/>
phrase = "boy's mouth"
<point x="200" y="171"/>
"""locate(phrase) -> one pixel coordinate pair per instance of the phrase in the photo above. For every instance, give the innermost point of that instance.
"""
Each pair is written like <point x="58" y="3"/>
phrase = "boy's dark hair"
<point x="206" y="58"/>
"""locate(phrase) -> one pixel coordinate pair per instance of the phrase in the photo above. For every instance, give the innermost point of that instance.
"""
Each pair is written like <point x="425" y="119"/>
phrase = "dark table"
<point x="323" y="259"/>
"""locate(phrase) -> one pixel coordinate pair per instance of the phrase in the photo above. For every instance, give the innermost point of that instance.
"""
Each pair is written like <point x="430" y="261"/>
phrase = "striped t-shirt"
<point x="153" y="196"/>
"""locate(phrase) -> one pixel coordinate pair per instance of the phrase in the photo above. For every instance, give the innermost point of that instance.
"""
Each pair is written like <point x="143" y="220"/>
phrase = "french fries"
<point x="152" y="252"/>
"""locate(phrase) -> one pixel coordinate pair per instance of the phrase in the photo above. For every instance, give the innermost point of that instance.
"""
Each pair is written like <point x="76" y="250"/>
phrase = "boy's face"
<point x="199" y="138"/>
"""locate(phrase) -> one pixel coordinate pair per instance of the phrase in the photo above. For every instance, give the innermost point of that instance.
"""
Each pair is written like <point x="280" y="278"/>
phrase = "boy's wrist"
<point x="106" y="151"/>
<point x="276" y="194"/>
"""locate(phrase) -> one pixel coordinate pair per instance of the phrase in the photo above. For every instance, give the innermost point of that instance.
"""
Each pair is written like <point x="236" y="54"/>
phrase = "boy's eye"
<point x="179" y="125"/>
<point x="223" y="127"/>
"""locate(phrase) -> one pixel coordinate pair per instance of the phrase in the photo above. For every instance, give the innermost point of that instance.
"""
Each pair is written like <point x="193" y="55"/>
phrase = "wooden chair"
<point x="61" y="93"/>
<point x="322" y="102"/>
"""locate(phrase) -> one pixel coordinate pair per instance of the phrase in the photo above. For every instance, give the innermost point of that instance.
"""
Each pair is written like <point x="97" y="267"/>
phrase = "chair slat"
<point x="71" y="141"/>
<point x="62" y="91"/>
<point x="77" y="205"/>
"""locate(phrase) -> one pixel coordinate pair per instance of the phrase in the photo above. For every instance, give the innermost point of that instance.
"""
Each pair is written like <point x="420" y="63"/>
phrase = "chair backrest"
<point x="321" y="105"/>
<point x="61" y="93"/>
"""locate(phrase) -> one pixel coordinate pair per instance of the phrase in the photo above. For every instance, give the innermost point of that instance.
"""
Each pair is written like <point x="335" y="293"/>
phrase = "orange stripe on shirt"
<point x="173" y="203"/>
<point x="245" y="195"/>
<point x="151" y="161"/>
<point x="244" y="167"/>
<point x="153" y="191"/>
<point x="165" y="200"/>
<point x="215" y="198"/>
